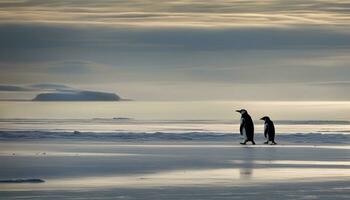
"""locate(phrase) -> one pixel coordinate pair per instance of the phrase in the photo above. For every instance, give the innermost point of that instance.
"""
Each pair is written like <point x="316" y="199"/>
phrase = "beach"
<point x="174" y="170"/>
<point x="85" y="153"/>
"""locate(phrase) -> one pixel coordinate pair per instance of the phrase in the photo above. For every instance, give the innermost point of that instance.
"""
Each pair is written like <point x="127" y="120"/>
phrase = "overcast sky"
<point x="181" y="50"/>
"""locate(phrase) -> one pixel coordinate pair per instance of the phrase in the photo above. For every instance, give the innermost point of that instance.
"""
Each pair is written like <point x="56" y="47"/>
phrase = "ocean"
<point x="172" y="150"/>
<point x="296" y="122"/>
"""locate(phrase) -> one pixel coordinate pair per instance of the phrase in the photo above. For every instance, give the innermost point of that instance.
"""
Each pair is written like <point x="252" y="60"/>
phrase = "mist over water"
<point x="178" y="110"/>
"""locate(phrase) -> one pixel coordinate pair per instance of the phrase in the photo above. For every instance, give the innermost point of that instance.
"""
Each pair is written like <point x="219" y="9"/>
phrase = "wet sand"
<point x="174" y="170"/>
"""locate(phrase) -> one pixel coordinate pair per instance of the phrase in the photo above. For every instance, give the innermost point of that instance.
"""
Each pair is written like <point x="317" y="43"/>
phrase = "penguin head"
<point x="242" y="111"/>
<point x="265" y="118"/>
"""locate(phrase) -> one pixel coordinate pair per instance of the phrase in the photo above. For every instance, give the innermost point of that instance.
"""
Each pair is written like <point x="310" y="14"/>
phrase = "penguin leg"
<point x="273" y="142"/>
<point x="253" y="142"/>
<point x="267" y="142"/>
<point x="244" y="143"/>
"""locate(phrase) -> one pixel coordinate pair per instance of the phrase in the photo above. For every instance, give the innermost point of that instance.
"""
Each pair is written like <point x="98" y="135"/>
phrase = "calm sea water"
<point x="19" y="119"/>
<point x="199" y="110"/>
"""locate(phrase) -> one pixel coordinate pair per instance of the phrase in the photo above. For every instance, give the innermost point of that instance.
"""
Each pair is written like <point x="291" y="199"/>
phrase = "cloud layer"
<point x="178" y="13"/>
<point x="231" y="49"/>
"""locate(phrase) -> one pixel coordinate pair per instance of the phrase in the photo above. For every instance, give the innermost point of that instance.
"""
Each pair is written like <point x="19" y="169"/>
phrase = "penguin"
<point x="269" y="130"/>
<point x="247" y="127"/>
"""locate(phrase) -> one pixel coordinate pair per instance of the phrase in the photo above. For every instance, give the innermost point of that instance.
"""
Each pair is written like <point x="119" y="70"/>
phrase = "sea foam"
<point x="307" y="138"/>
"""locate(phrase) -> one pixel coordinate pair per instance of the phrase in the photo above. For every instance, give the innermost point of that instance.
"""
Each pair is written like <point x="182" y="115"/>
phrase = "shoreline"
<point x="172" y="170"/>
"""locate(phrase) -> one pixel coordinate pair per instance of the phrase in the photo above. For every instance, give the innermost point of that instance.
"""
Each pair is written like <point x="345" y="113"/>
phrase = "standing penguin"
<point x="247" y="127"/>
<point x="269" y="130"/>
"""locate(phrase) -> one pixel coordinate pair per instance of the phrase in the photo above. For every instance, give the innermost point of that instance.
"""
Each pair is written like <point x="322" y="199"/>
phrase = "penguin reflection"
<point x="247" y="127"/>
<point x="269" y="130"/>
<point x="247" y="166"/>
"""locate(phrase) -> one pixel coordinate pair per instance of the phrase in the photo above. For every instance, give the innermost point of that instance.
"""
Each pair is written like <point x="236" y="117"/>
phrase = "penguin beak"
<point x="262" y="118"/>
<point x="238" y="111"/>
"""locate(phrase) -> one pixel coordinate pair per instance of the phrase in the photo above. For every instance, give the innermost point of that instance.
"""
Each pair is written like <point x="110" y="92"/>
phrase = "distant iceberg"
<point x="77" y="96"/>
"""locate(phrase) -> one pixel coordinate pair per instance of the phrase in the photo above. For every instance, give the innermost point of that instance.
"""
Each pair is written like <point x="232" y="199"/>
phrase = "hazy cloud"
<point x="71" y="67"/>
<point x="124" y="39"/>
<point x="231" y="49"/>
<point x="332" y="83"/>
<point x="13" y="88"/>
<point x="178" y="13"/>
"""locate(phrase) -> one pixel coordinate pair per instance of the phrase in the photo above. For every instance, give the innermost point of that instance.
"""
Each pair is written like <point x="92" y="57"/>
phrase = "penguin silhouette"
<point x="269" y="130"/>
<point x="247" y="127"/>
